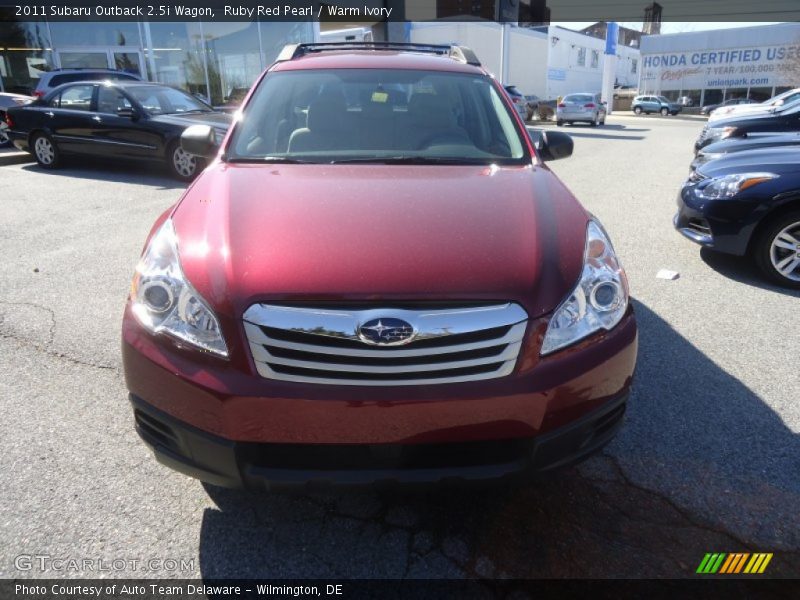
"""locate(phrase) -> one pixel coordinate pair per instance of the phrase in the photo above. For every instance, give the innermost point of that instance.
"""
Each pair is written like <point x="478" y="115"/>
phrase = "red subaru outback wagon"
<point x="377" y="280"/>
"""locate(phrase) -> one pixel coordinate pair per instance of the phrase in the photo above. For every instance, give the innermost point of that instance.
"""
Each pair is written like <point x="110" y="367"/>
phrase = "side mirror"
<point x="199" y="140"/>
<point x="555" y="145"/>
<point x="127" y="113"/>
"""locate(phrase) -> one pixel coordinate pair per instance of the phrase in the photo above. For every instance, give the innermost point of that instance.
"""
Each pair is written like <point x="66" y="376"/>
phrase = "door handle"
<point x="50" y="114"/>
<point x="96" y="118"/>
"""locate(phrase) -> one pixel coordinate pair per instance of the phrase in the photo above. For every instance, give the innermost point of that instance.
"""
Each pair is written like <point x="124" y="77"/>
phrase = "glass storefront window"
<point x="712" y="97"/>
<point x="760" y="94"/>
<point x="176" y="56"/>
<point x="735" y="93"/>
<point x="275" y="35"/>
<point x="693" y="95"/>
<point x="95" y="33"/>
<point x="233" y="59"/>
<point x="25" y="53"/>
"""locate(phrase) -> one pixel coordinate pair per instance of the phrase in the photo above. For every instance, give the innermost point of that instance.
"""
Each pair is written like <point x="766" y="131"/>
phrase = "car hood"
<point x="782" y="160"/>
<point x="752" y="142"/>
<point x="215" y="119"/>
<point x="338" y="233"/>
<point x="740" y="110"/>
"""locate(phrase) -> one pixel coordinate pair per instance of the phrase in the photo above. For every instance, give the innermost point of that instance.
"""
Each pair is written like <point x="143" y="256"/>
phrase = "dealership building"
<point x="210" y="59"/>
<point x="712" y="66"/>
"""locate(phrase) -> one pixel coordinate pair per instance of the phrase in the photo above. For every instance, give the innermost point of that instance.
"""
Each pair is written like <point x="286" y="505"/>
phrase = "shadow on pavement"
<point x="692" y="431"/>
<point x="114" y="172"/>
<point x="743" y="270"/>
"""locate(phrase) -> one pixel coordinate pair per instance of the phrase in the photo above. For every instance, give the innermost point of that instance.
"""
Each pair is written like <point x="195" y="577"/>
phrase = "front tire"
<point x="181" y="164"/>
<point x="45" y="151"/>
<point x="559" y="123"/>
<point x="637" y="110"/>
<point x="5" y="140"/>
<point x="777" y="250"/>
<point x="664" y="112"/>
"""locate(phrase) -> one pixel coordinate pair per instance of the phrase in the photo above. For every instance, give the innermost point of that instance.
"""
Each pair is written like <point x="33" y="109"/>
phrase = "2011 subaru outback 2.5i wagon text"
<point x="377" y="279"/>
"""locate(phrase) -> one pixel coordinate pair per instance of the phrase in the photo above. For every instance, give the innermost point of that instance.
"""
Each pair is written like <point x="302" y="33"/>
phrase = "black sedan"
<point x="748" y="203"/>
<point x="124" y="120"/>
<point x="738" y="144"/>
<point x="778" y="120"/>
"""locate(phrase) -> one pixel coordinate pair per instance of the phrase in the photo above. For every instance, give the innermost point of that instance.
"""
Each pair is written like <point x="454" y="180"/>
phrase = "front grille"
<point x="322" y="345"/>
<point x="700" y="226"/>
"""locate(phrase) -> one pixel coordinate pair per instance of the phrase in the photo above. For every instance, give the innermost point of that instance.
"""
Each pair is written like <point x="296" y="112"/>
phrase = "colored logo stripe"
<point x="723" y="563"/>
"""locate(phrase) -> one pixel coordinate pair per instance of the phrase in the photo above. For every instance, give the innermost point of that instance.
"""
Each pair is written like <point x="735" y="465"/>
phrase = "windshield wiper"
<point x="187" y="112"/>
<point x="270" y="159"/>
<point x="413" y="160"/>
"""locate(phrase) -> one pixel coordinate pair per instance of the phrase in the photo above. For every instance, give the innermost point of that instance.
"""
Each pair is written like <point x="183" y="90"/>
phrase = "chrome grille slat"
<point x="510" y="352"/>
<point x="256" y="336"/>
<point x="434" y="328"/>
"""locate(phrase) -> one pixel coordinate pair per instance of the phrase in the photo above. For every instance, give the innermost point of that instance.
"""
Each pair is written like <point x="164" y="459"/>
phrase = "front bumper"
<point x="221" y="462"/>
<point x="195" y="410"/>
<point x="725" y="225"/>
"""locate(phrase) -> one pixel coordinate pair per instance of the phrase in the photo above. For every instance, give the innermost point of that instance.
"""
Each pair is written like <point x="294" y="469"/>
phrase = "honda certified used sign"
<point x="763" y="66"/>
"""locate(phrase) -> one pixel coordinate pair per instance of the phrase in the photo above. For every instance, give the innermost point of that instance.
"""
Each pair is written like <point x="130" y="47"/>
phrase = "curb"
<point x="14" y="158"/>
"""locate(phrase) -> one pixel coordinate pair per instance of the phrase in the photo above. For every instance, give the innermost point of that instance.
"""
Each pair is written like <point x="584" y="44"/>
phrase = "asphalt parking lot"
<point x="709" y="458"/>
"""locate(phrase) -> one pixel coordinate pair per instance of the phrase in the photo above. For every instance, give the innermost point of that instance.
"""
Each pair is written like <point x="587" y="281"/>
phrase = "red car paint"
<point x="317" y="233"/>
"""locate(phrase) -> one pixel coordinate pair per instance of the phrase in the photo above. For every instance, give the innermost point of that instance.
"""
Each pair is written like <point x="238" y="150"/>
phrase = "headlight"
<point x="164" y="301"/>
<point x="730" y="185"/>
<point x="598" y="301"/>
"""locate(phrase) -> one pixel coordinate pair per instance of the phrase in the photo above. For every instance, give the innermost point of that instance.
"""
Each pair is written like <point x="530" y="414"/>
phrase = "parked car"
<point x="685" y="101"/>
<point x="748" y="204"/>
<point x="655" y="104"/>
<point x="744" y="144"/>
<point x="584" y="107"/>
<point x="378" y="293"/>
<point x="782" y="120"/>
<point x="520" y="102"/>
<point x="532" y="104"/>
<point x="6" y="102"/>
<point x="778" y="102"/>
<point x="52" y="79"/>
<point x="124" y="120"/>
<point x="709" y="108"/>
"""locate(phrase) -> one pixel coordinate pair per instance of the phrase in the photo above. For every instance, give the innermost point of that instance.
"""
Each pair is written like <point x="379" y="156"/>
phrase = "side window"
<point x="55" y="101"/>
<point x="110" y="100"/>
<point x="78" y="97"/>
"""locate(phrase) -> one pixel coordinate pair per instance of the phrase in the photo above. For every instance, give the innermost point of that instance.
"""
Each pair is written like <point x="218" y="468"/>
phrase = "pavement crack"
<point x="46" y="347"/>
<point x="690" y="518"/>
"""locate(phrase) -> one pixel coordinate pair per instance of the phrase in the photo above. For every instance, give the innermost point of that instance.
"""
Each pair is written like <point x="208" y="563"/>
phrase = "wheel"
<point x="559" y="123"/>
<point x="45" y="151"/>
<point x="5" y="141"/>
<point x="182" y="165"/>
<point x="594" y="122"/>
<point x="637" y="110"/>
<point x="664" y="112"/>
<point x="777" y="250"/>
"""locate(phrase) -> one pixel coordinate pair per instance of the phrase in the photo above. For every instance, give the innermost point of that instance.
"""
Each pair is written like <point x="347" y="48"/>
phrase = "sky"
<point x="670" y="27"/>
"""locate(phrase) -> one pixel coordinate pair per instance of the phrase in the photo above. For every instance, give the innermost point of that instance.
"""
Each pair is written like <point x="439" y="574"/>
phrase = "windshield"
<point x="663" y="99"/>
<point x="579" y="98"/>
<point x="163" y="100"/>
<point x="375" y="115"/>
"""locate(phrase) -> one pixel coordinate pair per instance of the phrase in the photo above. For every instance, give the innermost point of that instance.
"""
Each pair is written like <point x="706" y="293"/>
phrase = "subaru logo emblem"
<point x="386" y="332"/>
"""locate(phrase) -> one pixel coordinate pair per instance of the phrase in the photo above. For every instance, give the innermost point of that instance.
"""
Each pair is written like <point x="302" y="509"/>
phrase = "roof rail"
<point x="459" y="53"/>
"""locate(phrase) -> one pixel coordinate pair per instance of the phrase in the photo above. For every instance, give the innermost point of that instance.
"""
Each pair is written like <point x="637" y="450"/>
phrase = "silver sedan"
<point x="585" y="107"/>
